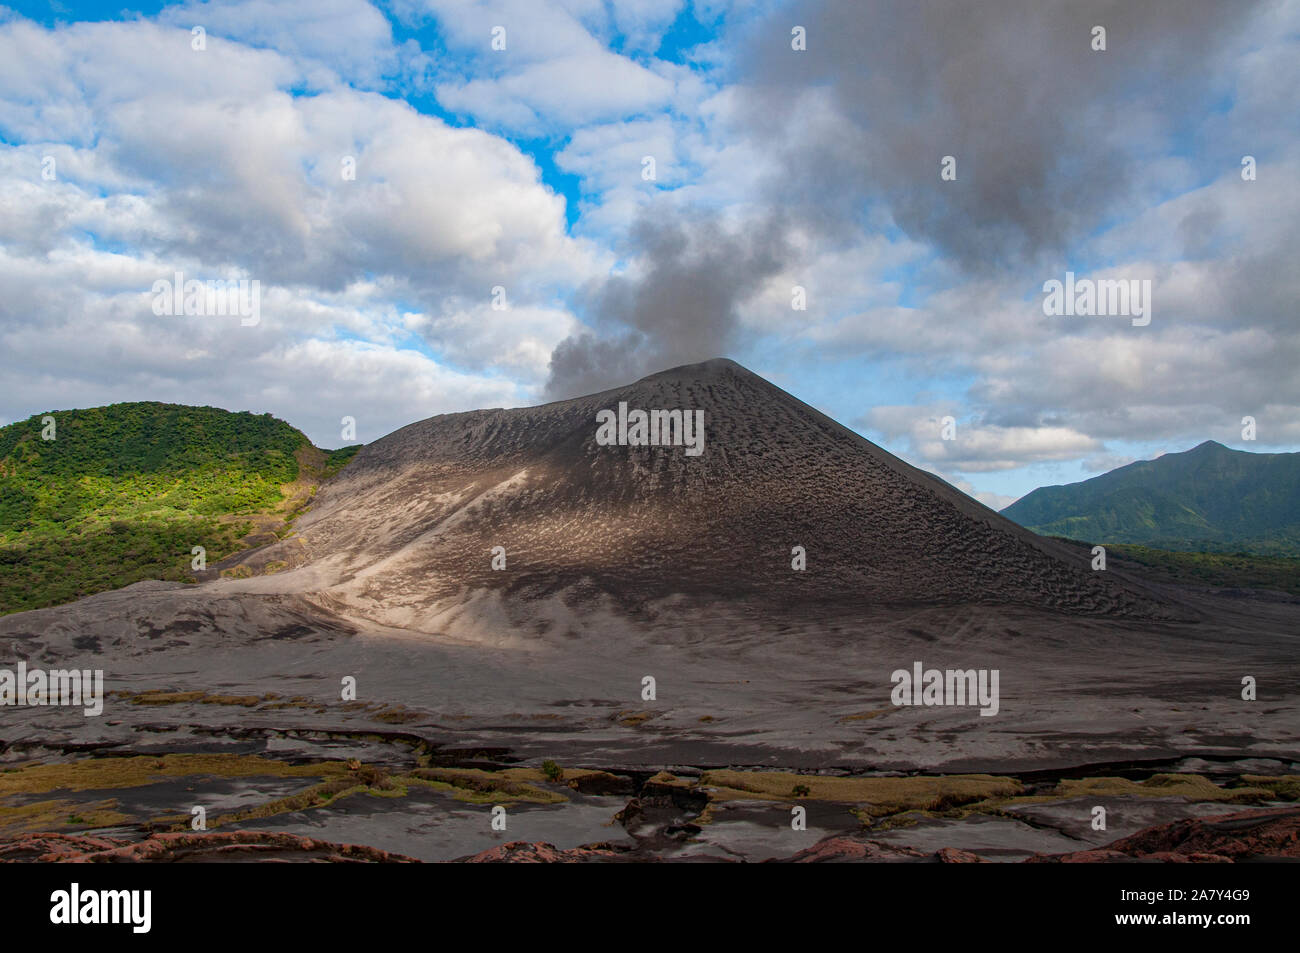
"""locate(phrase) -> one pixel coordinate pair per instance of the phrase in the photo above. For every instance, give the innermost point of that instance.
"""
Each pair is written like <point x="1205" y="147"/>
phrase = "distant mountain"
<point x="1207" y="499"/>
<point x="123" y="493"/>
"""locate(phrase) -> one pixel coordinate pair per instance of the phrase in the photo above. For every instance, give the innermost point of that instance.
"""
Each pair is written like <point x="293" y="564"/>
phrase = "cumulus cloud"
<point x="555" y="69"/>
<point x="206" y="162"/>
<point x="935" y="435"/>
<point x="347" y="40"/>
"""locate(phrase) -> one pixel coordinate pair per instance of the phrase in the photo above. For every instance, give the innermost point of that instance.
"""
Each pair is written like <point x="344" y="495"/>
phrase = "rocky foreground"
<point x="1227" y="838"/>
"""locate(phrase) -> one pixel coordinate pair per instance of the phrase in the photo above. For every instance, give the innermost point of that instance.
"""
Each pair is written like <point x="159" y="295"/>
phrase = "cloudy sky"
<point x="646" y="182"/>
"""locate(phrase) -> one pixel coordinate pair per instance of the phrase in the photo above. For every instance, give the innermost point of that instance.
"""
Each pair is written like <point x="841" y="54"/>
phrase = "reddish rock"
<point x="174" y="848"/>
<point x="951" y="855"/>
<point x="522" y="852"/>
<point x="1100" y="856"/>
<point x="53" y="847"/>
<point x="848" y="849"/>
<point x="854" y="848"/>
<point x="1226" y="838"/>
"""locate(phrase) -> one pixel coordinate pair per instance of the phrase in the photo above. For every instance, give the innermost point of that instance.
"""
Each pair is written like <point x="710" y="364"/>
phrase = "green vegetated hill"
<point x="124" y="493"/>
<point x="1210" y="499"/>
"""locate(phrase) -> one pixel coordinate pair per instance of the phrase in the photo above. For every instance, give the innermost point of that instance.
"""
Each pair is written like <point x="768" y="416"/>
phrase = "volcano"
<point x="528" y="503"/>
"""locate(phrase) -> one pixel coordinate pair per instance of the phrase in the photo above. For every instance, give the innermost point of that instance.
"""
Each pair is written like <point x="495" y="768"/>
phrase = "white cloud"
<point x="207" y="163"/>
<point x="554" y="70"/>
<point x="975" y="446"/>
<point x="349" y="38"/>
<point x="578" y="88"/>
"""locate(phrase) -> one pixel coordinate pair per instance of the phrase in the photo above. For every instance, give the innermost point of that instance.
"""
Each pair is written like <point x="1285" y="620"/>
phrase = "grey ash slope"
<point x="411" y="522"/>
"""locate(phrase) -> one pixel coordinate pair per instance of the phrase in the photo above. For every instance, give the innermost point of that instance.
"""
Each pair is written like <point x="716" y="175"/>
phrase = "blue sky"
<point x="523" y="168"/>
